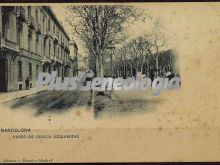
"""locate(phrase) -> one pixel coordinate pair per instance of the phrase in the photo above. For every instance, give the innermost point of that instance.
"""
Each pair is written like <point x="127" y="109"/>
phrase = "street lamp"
<point x="111" y="48"/>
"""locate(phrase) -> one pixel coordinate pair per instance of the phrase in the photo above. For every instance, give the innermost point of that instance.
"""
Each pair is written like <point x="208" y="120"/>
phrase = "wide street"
<point x="77" y="109"/>
<point x="123" y="103"/>
<point x="52" y="101"/>
<point x="118" y="103"/>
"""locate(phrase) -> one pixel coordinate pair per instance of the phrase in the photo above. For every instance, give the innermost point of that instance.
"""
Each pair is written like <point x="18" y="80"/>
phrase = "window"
<point x="36" y="14"/>
<point x="49" y="25"/>
<point x="44" y="47"/>
<point x="44" y="68"/>
<point x="5" y="26"/>
<point x="29" y="42"/>
<point x="37" y="70"/>
<point x="58" y="52"/>
<point x="19" y="71"/>
<point x="43" y="24"/>
<point x="19" y="36"/>
<point x="29" y="11"/>
<point x="30" y="71"/>
<point x="61" y="52"/>
<point x="49" y="47"/>
<point x="37" y="43"/>
<point x="54" y="29"/>
<point x="49" y="68"/>
<point x="54" y="49"/>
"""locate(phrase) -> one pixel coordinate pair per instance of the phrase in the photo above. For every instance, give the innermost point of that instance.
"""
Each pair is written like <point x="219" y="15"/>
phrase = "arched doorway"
<point x="3" y="75"/>
<point x="46" y="67"/>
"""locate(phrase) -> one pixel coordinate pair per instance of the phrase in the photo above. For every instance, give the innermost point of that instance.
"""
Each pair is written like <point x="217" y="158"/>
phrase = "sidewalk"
<point x="6" y="96"/>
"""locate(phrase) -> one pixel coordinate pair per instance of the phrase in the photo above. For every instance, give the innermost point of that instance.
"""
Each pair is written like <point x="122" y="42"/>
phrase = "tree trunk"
<point x="142" y="68"/>
<point x="142" y="64"/>
<point x="111" y="67"/>
<point x="97" y="67"/>
<point x="118" y="73"/>
<point x="148" y="70"/>
<point x="157" y="66"/>
<point x="101" y="67"/>
<point x="101" y="71"/>
<point x="124" y="69"/>
<point x="131" y="70"/>
<point x="126" y="66"/>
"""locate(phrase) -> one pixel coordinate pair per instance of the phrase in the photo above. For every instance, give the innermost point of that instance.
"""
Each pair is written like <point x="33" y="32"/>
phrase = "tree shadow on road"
<point x="110" y="107"/>
<point x="51" y="101"/>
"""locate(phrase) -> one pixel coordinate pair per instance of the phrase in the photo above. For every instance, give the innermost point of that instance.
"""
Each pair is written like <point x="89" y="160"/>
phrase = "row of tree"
<point x="98" y="26"/>
<point x="143" y="54"/>
<point x="124" y="65"/>
<point x="102" y="30"/>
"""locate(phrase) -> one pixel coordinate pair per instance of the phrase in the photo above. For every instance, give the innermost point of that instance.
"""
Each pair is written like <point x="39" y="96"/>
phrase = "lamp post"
<point x="111" y="48"/>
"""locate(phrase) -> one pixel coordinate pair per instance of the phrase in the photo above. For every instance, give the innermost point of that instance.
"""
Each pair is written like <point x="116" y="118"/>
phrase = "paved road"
<point x="52" y="101"/>
<point x="122" y="103"/>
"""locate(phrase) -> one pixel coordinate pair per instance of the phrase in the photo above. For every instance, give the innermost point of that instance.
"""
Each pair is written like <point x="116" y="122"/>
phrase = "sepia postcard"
<point x="109" y="82"/>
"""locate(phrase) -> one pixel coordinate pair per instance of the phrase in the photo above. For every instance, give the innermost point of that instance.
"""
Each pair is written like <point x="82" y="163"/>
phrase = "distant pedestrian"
<point x="27" y="82"/>
<point x="152" y="76"/>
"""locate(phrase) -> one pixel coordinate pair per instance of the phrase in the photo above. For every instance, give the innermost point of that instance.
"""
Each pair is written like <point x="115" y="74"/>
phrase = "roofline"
<point x="51" y="13"/>
<point x="72" y="42"/>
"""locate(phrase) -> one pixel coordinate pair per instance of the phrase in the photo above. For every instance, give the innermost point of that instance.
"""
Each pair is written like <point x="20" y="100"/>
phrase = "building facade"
<point x="31" y="40"/>
<point x="74" y="57"/>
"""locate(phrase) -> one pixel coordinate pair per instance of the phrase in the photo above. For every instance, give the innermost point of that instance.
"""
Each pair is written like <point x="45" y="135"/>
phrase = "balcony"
<point x="31" y="22"/>
<point x="20" y="78"/>
<point x="7" y="45"/>
<point x="46" y="34"/>
<point x="38" y="28"/>
<point x="62" y="45"/>
<point x="29" y="32"/>
<point x="67" y="49"/>
<point x="45" y="60"/>
<point x="20" y="13"/>
<point x="57" y="59"/>
<point x="57" y="34"/>
<point x="52" y="57"/>
<point x="55" y="39"/>
<point x="68" y="63"/>
<point x="6" y="10"/>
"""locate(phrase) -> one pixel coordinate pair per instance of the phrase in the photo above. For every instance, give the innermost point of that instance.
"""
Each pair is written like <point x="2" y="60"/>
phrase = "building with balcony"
<point x="31" y="40"/>
<point x="74" y="57"/>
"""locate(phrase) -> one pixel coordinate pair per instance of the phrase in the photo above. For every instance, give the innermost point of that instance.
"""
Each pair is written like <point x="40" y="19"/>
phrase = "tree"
<point x="141" y="46"/>
<point x="98" y="26"/>
<point x="158" y="41"/>
<point x="167" y="60"/>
